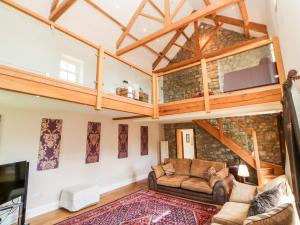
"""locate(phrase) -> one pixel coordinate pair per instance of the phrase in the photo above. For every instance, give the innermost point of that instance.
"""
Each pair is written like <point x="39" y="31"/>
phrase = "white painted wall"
<point x="19" y="140"/>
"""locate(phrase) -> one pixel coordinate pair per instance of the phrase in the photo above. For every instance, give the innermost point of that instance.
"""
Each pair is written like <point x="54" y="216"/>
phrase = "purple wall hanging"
<point x="123" y="141"/>
<point x="49" y="144"/>
<point x="93" y="142"/>
<point x="144" y="140"/>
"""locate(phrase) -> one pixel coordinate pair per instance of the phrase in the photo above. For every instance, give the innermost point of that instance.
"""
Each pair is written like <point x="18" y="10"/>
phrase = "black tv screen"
<point x="12" y="181"/>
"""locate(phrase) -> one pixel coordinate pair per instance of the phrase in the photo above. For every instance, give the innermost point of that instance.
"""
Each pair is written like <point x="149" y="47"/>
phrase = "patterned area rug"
<point x="146" y="208"/>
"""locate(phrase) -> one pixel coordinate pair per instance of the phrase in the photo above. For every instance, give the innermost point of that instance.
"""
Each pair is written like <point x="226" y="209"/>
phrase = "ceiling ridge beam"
<point x="122" y="26"/>
<point x="214" y="15"/>
<point x="167" y="13"/>
<point x="221" y="4"/>
<point x="131" y="23"/>
<point x="61" y="9"/>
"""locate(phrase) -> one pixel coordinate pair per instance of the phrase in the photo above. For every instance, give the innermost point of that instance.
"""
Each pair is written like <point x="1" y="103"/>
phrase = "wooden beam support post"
<point x="197" y="38"/>
<point x="61" y="9"/>
<point x="279" y="61"/>
<point x="221" y="4"/>
<point x="257" y="160"/>
<point x="245" y="17"/>
<point x="205" y="85"/>
<point x="99" y="78"/>
<point x="155" y="96"/>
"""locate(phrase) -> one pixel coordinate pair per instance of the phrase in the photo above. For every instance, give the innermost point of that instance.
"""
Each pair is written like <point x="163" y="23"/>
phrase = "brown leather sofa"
<point x="191" y="181"/>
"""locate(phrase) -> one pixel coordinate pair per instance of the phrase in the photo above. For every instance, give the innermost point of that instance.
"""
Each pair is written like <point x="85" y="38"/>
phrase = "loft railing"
<point x="36" y="52"/>
<point x="214" y="89"/>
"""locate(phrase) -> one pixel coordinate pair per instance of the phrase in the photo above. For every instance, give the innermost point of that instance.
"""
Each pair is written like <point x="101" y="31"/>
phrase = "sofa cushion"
<point x="168" y="169"/>
<point x="158" y="170"/>
<point x="232" y="213"/>
<point x="223" y="173"/>
<point x="199" y="167"/>
<point x="243" y="193"/>
<point x="281" y="215"/>
<point x="171" y="181"/>
<point x="182" y="166"/>
<point x="197" y="184"/>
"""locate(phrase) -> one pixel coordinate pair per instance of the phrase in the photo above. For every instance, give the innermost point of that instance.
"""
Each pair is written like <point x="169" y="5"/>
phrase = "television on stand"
<point x="13" y="185"/>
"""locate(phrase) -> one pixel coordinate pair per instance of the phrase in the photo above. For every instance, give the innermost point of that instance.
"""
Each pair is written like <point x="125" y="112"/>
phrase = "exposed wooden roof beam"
<point x="156" y="8"/>
<point x="261" y="28"/>
<point x="61" y="9"/>
<point x="131" y="22"/>
<point x="197" y="38"/>
<point x="53" y="5"/>
<point x="245" y="17"/>
<point x="154" y="18"/>
<point x="167" y="13"/>
<point x="221" y="4"/>
<point x="214" y="15"/>
<point x="96" y="7"/>
<point x="210" y="36"/>
<point x="177" y="9"/>
<point x="130" y="117"/>
<point x="167" y="48"/>
<point x="185" y="47"/>
<point x="249" y="44"/>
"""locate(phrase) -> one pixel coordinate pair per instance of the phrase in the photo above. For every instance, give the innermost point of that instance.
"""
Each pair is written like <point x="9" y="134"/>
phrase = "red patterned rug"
<point x="146" y="208"/>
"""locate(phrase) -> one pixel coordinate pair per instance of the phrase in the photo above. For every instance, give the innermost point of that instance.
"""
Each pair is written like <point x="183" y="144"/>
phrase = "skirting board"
<point x="55" y="205"/>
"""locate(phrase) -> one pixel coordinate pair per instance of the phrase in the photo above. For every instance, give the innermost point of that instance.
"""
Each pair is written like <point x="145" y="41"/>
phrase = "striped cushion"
<point x="281" y="215"/>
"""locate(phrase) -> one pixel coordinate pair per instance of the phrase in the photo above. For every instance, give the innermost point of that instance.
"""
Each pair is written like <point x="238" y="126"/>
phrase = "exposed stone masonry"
<point x="209" y="148"/>
<point x="184" y="84"/>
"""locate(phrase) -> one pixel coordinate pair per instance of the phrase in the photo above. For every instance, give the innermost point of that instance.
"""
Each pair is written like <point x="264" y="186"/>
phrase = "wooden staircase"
<point x="265" y="171"/>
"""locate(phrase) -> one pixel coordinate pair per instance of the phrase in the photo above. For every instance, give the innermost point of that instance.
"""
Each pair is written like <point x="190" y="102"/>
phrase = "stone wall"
<point x="209" y="148"/>
<point x="186" y="83"/>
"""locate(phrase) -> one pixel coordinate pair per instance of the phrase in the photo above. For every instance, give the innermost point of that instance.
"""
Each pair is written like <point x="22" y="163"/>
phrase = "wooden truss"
<point x="166" y="17"/>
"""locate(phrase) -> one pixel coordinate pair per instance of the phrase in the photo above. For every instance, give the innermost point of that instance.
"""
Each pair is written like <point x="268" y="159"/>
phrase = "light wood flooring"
<point x="61" y="214"/>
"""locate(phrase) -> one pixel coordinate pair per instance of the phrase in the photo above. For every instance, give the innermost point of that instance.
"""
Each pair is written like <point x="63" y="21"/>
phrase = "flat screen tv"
<point x="13" y="181"/>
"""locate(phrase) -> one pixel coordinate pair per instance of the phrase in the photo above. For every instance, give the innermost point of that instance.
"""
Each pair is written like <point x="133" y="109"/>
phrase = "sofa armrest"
<point x="152" y="184"/>
<point x="222" y="189"/>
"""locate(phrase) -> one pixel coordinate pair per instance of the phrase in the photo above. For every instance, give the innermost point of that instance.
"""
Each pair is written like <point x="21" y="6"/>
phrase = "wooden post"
<point x="279" y="61"/>
<point x="257" y="160"/>
<point x="155" y="96"/>
<point x="205" y="85"/>
<point x="99" y="77"/>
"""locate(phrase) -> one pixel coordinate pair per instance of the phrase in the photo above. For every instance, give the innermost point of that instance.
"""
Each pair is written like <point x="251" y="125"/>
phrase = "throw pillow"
<point x="213" y="180"/>
<point x="211" y="171"/>
<point x="169" y="169"/>
<point x="242" y="193"/>
<point x="158" y="170"/>
<point x="223" y="173"/>
<point x="283" y="214"/>
<point x="264" y="201"/>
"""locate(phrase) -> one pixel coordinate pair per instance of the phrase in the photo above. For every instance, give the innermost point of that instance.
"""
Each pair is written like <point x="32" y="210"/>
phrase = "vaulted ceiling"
<point x="116" y="24"/>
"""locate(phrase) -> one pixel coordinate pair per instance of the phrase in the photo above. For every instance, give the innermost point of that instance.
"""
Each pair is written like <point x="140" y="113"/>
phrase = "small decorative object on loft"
<point x="144" y="140"/>
<point x="132" y="91"/>
<point x="243" y="172"/>
<point x="49" y="144"/>
<point x="93" y="142"/>
<point x="123" y="141"/>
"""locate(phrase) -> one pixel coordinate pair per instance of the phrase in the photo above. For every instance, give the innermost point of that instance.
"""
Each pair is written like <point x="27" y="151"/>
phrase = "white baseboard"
<point x="55" y="205"/>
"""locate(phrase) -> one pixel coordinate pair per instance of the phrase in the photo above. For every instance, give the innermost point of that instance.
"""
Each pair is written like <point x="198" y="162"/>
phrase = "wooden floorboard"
<point x="61" y="214"/>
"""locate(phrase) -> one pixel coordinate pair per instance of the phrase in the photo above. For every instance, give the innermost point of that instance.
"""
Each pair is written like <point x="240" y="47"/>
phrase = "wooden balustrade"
<point x="257" y="160"/>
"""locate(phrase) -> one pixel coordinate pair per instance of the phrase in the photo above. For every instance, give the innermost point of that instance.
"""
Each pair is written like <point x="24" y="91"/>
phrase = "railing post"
<point x="278" y="58"/>
<point x="205" y="85"/>
<point x="99" y="78"/>
<point x="257" y="160"/>
<point x="155" y="96"/>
